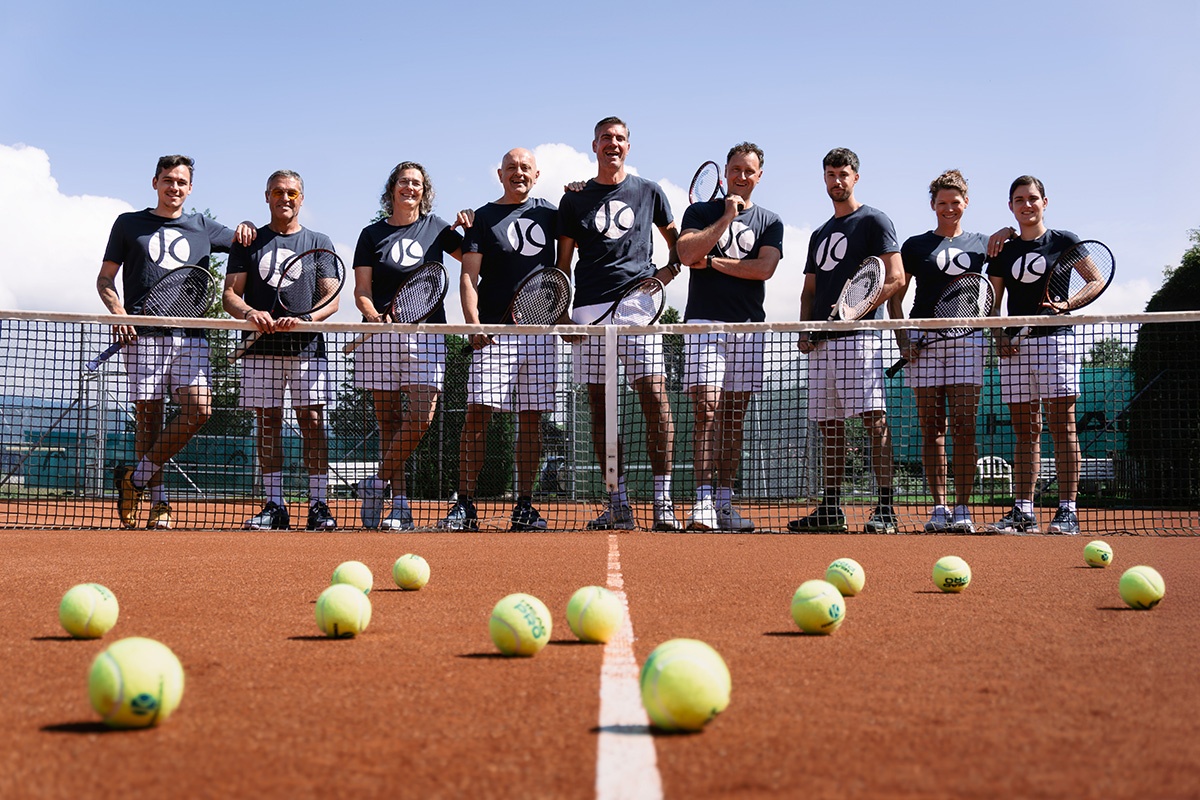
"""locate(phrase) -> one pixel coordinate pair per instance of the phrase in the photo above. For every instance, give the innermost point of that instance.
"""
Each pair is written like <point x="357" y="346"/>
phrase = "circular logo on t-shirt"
<point x="953" y="261"/>
<point x="614" y="219"/>
<point x="830" y="252"/>
<point x="1029" y="268"/>
<point x="738" y="241"/>
<point x="168" y="248"/>
<point x="270" y="268"/>
<point x="406" y="253"/>
<point x="526" y="237"/>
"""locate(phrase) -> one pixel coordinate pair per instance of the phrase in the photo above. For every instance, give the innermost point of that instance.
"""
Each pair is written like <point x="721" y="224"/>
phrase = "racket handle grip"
<point x="895" y="368"/>
<point x="355" y="343"/>
<point x="108" y="353"/>
<point x="246" y="344"/>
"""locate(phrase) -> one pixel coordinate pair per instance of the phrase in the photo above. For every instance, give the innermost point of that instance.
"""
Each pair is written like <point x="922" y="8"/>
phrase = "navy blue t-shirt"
<point x="513" y="240"/>
<point x="714" y="295"/>
<point x="261" y="263"/>
<point x="1024" y="266"/>
<point x="838" y="247"/>
<point x="613" y="228"/>
<point x="935" y="261"/>
<point x="394" y="251"/>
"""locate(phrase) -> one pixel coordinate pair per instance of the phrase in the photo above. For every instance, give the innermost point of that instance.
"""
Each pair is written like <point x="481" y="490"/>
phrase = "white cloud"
<point x="53" y="259"/>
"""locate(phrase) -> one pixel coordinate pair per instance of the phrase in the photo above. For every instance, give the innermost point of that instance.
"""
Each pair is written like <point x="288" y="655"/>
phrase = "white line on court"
<point x="626" y="764"/>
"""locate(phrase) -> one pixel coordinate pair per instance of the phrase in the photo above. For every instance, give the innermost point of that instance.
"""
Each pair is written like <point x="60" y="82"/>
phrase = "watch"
<point x="708" y="261"/>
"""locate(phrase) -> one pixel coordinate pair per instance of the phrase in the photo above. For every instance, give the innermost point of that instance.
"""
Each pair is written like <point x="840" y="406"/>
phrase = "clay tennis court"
<point x="1035" y="682"/>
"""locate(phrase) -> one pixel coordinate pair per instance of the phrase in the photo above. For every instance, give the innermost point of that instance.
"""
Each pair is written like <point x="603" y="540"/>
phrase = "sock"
<point x="962" y="511"/>
<point x="662" y="488"/>
<point x="703" y="493"/>
<point x="1067" y="505"/>
<point x="399" y="501"/>
<point x="143" y="472"/>
<point x="723" y="495"/>
<point x="940" y="508"/>
<point x="273" y="487"/>
<point x="158" y="493"/>
<point x="1025" y="506"/>
<point x="886" y="494"/>
<point x="620" y="497"/>
<point x="317" y="486"/>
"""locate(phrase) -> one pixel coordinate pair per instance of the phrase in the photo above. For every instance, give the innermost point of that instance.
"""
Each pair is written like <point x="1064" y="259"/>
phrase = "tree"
<point x="1112" y="353"/>
<point x="673" y="350"/>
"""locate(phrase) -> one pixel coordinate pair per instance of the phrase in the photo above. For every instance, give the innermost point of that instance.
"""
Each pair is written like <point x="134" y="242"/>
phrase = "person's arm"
<point x="895" y="305"/>
<point x="755" y="269"/>
<point x="695" y="244"/>
<point x="468" y="292"/>
<point x="106" y="287"/>
<point x="807" y="296"/>
<point x="893" y="277"/>
<point x="998" y="239"/>
<point x="362" y="295"/>
<point x="1003" y="348"/>
<point x="235" y="305"/>
<point x="671" y="234"/>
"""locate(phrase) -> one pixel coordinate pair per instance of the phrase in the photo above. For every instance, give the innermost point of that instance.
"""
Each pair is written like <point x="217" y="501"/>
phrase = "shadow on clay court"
<point x="640" y="730"/>
<point x="318" y="638"/>
<point x="91" y="727"/>
<point x="488" y="656"/>
<point x="56" y="639"/>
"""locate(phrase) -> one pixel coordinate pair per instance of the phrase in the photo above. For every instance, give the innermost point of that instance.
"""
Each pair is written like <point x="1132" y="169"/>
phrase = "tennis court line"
<point x="626" y="763"/>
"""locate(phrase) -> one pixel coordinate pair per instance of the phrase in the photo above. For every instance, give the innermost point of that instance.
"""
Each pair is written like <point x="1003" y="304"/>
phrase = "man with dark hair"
<point x="732" y="247"/>
<point x="280" y="361"/>
<point x="845" y="369"/>
<point x="611" y="220"/>
<point x="160" y="364"/>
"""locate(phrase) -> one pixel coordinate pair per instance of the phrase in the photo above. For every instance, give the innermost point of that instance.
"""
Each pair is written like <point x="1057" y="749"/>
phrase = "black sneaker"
<point x="319" y="518"/>
<point x="462" y="517"/>
<point x="1066" y="522"/>
<point x="823" y="519"/>
<point x="273" y="517"/>
<point x="1015" y="521"/>
<point x="882" y="520"/>
<point x="526" y="518"/>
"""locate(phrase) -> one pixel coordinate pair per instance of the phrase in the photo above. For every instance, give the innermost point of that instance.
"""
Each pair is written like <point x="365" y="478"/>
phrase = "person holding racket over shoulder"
<point x="1042" y="370"/>
<point x="280" y="360"/>
<point x="392" y="366"/>
<point x="161" y="364"/>
<point x="845" y="370"/>
<point x="732" y="247"/>
<point x="505" y="241"/>
<point x="945" y="374"/>
<point x="611" y="221"/>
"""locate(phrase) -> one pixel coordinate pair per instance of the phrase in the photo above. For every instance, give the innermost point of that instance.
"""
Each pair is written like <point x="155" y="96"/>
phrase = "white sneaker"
<point x="401" y="519"/>
<point x="729" y="519"/>
<point x="370" y="490"/>
<point x="619" y="518"/>
<point x="939" y="521"/>
<point x="703" y="516"/>
<point x="960" y="520"/>
<point x="664" y="516"/>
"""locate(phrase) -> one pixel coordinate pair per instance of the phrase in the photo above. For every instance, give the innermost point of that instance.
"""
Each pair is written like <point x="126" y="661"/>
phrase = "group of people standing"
<point x="601" y="232"/>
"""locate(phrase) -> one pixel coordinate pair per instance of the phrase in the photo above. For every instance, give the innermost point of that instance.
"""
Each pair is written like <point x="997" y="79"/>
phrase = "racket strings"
<point x="419" y="296"/>
<point x="542" y="299"/>
<point x="309" y="281"/>
<point x="860" y="293"/>
<point x="706" y="183"/>
<point x="965" y="298"/>
<point x="183" y="293"/>
<point x="640" y="307"/>
<point x="1075" y="270"/>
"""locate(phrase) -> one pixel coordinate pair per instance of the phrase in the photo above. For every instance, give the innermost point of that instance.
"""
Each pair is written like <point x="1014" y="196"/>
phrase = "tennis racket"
<point x="182" y="292"/>
<point x="969" y="295"/>
<point x="642" y="303"/>
<point x="417" y="298"/>
<point x="706" y="184"/>
<point x="1078" y="277"/>
<point x="306" y="283"/>
<point x="541" y="298"/>
<point x="858" y="296"/>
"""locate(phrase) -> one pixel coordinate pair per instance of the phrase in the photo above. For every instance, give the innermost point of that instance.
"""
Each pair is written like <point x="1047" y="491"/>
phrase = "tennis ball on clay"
<point x="88" y="611"/>
<point x="1142" y="587"/>
<point x="135" y="683"/>
<point x="847" y="575"/>
<point x="684" y="684"/>
<point x="520" y="625"/>
<point x="410" y="572"/>
<point x="1097" y="554"/>
<point x="595" y="614"/>
<point x="951" y="574"/>
<point x="343" y="611"/>
<point x="356" y="574"/>
<point x="818" y="607"/>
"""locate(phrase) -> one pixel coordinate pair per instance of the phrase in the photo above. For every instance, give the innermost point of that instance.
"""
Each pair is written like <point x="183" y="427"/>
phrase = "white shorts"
<point x="948" y="362"/>
<point x="845" y="377"/>
<point x="515" y="373"/>
<point x="390" y="361"/>
<point x="266" y="378"/>
<point x="732" y="362"/>
<point x="1044" y="367"/>
<point x="159" y="366"/>
<point x="642" y="356"/>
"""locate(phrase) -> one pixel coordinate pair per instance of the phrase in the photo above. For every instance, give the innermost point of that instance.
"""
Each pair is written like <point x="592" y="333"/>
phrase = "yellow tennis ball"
<point x="595" y="614"/>
<point x="135" y="683"/>
<point x="88" y="611"/>
<point x="1142" y="587"/>
<point x="343" y="610"/>
<point x="520" y="625"/>
<point x="818" y="607"/>
<point x="951" y="574"/>
<point x="1097" y="554"/>
<point x="356" y="574"/>
<point x="410" y="572"/>
<point x="684" y="684"/>
<point x="847" y="575"/>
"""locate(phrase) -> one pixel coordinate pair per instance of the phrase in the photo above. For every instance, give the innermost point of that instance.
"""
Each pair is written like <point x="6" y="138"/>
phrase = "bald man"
<point x="506" y="240"/>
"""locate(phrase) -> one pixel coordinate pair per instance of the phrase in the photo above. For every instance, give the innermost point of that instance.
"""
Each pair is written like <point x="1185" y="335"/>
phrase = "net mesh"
<point x="420" y="294"/>
<point x="63" y="430"/>
<point x="542" y="298"/>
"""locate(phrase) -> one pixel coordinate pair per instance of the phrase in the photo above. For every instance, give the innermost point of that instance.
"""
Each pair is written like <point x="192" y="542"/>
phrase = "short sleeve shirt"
<point x="392" y="252"/>
<point x="1024" y="267"/>
<point x="934" y="261"/>
<point x="838" y="247"/>
<point x="713" y="295"/>
<point x="513" y="241"/>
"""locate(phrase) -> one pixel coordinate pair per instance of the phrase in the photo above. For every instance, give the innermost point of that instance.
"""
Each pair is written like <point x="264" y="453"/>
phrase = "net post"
<point x="611" y="397"/>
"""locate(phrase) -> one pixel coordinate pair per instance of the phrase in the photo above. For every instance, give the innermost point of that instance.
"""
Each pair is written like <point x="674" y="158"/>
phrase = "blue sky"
<point x="1094" y="98"/>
